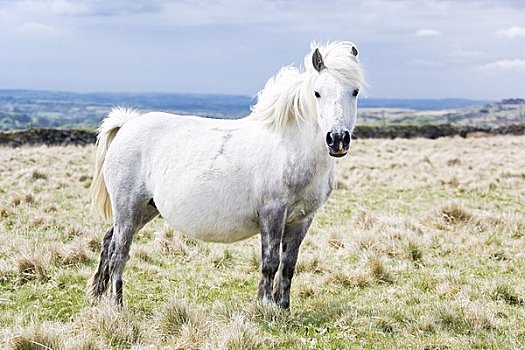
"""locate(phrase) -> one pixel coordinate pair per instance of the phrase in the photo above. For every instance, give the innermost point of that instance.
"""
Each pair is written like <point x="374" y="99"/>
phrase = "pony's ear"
<point x="354" y="51"/>
<point x="317" y="60"/>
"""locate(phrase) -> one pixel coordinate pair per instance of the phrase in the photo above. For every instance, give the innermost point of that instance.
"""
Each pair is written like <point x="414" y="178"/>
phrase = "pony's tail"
<point x="100" y="201"/>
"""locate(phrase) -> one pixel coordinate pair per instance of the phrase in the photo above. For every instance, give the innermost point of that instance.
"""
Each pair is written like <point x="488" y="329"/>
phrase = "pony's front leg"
<point x="271" y="222"/>
<point x="292" y="237"/>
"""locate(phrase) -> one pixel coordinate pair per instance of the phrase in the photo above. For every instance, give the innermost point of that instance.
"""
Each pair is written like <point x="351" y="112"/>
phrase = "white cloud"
<point x="466" y="54"/>
<point x="424" y="62"/>
<point x="515" y="65"/>
<point x="427" y="32"/>
<point x="512" y="32"/>
<point x="104" y="8"/>
<point x="35" y="28"/>
<point x="65" y="7"/>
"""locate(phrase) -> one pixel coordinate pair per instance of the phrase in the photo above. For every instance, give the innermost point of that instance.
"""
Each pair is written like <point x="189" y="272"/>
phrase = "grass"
<point x="420" y="247"/>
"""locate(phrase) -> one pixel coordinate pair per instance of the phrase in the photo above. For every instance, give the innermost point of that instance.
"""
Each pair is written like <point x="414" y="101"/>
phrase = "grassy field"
<point x="422" y="246"/>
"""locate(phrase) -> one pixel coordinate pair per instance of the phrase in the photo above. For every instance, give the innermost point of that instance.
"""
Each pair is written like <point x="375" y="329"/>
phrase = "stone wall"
<point x="50" y="137"/>
<point x="54" y="137"/>
<point x="432" y="131"/>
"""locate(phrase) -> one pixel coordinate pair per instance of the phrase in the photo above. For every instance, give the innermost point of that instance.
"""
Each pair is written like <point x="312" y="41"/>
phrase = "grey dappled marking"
<point x="292" y="238"/>
<point x="224" y="143"/>
<point x="99" y="282"/>
<point x="271" y="221"/>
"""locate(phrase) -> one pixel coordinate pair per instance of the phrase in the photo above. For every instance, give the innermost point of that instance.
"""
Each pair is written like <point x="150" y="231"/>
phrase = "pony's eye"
<point x="355" y="93"/>
<point x="317" y="94"/>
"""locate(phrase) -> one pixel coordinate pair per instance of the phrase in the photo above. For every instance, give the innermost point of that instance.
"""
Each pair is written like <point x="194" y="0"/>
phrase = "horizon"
<point x="240" y="95"/>
<point x="410" y="49"/>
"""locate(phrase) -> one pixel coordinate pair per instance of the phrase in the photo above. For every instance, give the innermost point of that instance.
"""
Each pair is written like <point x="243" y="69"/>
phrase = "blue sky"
<point x="410" y="48"/>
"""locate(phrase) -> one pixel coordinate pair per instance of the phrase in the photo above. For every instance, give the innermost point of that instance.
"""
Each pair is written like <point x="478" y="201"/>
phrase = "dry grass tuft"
<point x="4" y="213"/>
<point x="379" y="270"/>
<point x="7" y="271"/>
<point x="177" y="315"/>
<point x="73" y="255"/>
<point x="384" y="325"/>
<point x="222" y="258"/>
<point x="141" y="254"/>
<point x="239" y="334"/>
<point x="366" y="220"/>
<point x="507" y="294"/>
<point x="15" y="201"/>
<point x="172" y="242"/>
<point x="116" y="327"/>
<point x="268" y="313"/>
<point x="94" y="242"/>
<point x="37" y="175"/>
<point x="453" y="161"/>
<point x="414" y="252"/>
<point x="29" y="199"/>
<point x="336" y="240"/>
<point x="254" y="260"/>
<point x="454" y="213"/>
<point x="190" y="338"/>
<point x="464" y="316"/>
<point x="36" y="337"/>
<point x="33" y="266"/>
<point x="37" y="222"/>
<point x="357" y="279"/>
<point x="75" y="231"/>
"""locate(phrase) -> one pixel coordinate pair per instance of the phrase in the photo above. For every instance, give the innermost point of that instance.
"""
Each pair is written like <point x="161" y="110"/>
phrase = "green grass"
<point x="420" y="247"/>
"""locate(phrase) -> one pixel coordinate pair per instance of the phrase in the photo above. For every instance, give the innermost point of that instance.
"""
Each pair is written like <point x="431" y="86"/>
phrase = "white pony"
<point x="227" y="180"/>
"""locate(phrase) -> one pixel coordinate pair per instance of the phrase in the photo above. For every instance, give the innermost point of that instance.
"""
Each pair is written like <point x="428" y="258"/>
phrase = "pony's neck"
<point x="307" y="141"/>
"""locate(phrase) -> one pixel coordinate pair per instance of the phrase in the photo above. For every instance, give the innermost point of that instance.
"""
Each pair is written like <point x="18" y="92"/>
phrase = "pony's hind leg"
<point x="126" y="226"/>
<point x="115" y="253"/>
<point x="98" y="284"/>
<point x="292" y="238"/>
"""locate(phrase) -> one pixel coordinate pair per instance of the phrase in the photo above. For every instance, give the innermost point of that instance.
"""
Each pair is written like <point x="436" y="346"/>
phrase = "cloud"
<point x="459" y="55"/>
<point x="466" y="54"/>
<point x="512" y="32"/>
<point x="427" y="32"/>
<point x="65" y="7"/>
<point x="104" y="8"/>
<point x="424" y="63"/>
<point x="515" y="65"/>
<point x="35" y="28"/>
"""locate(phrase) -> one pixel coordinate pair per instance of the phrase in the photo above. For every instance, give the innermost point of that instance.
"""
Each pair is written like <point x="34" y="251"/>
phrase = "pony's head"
<point x="337" y="81"/>
<point x="325" y="96"/>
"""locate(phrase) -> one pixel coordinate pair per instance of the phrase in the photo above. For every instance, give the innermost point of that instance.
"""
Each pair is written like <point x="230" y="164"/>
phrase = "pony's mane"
<point x="288" y="96"/>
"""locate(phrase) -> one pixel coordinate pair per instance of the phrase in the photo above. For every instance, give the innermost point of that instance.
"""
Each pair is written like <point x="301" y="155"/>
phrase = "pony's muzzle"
<point x="338" y="142"/>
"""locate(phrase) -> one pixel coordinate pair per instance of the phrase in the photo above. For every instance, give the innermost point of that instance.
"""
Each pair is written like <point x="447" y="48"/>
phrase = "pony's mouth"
<point x="338" y="154"/>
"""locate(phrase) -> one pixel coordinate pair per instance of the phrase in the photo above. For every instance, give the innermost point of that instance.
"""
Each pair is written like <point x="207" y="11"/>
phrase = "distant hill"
<point x="420" y="104"/>
<point x="24" y="109"/>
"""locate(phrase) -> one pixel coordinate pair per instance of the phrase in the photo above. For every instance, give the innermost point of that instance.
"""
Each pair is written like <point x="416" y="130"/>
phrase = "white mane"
<point x="288" y="96"/>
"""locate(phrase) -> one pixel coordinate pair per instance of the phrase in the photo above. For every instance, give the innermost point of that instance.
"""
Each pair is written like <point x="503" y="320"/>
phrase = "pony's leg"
<point x="292" y="238"/>
<point x="98" y="284"/>
<point x="134" y="220"/>
<point x="271" y="222"/>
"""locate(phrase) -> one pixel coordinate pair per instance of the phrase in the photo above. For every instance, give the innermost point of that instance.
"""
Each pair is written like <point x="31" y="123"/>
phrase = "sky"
<point x="409" y="48"/>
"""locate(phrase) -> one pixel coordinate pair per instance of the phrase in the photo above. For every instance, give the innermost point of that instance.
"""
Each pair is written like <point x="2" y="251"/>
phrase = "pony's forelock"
<point x="338" y="58"/>
<point x="288" y="95"/>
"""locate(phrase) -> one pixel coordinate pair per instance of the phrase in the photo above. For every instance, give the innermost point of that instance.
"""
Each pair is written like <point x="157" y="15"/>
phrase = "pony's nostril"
<point x="329" y="139"/>
<point x="346" y="138"/>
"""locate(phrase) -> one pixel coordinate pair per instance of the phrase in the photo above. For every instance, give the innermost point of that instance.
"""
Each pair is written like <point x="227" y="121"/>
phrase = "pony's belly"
<point x="220" y="237"/>
<point x="210" y="226"/>
<point x="213" y="229"/>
